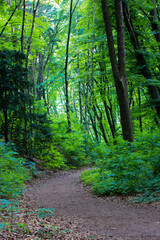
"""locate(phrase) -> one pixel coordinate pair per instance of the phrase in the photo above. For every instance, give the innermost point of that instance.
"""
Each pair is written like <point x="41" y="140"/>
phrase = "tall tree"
<point x="119" y="69"/>
<point x="66" y="66"/>
<point x="141" y="61"/>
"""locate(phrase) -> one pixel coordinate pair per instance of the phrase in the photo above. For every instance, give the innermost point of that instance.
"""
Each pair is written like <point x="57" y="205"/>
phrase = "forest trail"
<point x="113" y="217"/>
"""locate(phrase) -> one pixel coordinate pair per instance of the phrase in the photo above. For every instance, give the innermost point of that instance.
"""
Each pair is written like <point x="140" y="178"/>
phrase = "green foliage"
<point x="51" y="157"/>
<point x="75" y="146"/>
<point x="13" y="173"/>
<point x="4" y="204"/>
<point x="60" y="149"/>
<point x="23" y="227"/>
<point x="128" y="168"/>
<point x="26" y="120"/>
<point x="45" y="212"/>
<point x="90" y="176"/>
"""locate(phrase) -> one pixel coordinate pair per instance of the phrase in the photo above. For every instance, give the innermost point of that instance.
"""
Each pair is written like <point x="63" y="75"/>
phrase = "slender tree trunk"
<point x="66" y="68"/>
<point x="100" y="117"/>
<point x="26" y="135"/>
<point x="143" y="68"/>
<point x="139" y="102"/>
<point x="40" y="76"/>
<point x="1" y="33"/>
<point x="6" y="126"/>
<point x="102" y="87"/>
<point x="22" y="34"/>
<point x="93" y="121"/>
<point x="112" y="126"/>
<point x="92" y="63"/>
<point x="153" y="18"/>
<point x="79" y="80"/>
<point x="87" y="86"/>
<point x="5" y="112"/>
<point x="86" y="90"/>
<point x="80" y="101"/>
<point x="119" y="69"/>
<point x="154" y="24"/>
<point x="32" y="28"/>
<point x="34" y="76"/>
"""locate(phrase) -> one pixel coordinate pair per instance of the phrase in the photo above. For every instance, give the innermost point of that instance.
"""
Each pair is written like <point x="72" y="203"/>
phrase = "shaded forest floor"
<point x="78" y="214"/>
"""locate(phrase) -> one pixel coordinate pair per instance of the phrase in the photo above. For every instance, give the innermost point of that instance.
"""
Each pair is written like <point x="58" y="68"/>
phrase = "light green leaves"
<point x="57" y="1"/>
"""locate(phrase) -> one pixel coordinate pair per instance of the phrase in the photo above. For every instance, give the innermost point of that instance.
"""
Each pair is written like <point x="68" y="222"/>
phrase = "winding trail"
<point x="113" y="217"/>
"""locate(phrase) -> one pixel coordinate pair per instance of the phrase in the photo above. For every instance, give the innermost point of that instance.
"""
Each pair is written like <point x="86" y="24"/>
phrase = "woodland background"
<point x="80" y="86"/>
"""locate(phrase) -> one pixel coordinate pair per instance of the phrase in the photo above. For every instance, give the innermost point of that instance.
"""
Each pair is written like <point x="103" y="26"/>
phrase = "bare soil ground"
<point x="114" y="218"/>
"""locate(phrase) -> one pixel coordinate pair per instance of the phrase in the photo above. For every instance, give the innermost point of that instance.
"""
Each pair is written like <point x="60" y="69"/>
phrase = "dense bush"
<point x="13" y="172"/>
<point x="64" y="149"/>
<point x="51" y="158"/>
<point x="127" y="168"/>
<point x="75" y="146"/>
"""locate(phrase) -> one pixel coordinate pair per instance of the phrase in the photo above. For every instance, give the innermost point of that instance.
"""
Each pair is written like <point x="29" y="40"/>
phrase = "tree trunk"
<point x="140" y="117"/>
<point x="119" y="69"/>
<point x="153" y="18"/>
<point x="79" y="81"/>
<point x="5" y="125"/>
<point x="99" y="117"/>
<point x="32" y="28"/>
<point x="66" y="66"/>
<point x="40" y="76"/>
<point x="143" y="68"/>
<point x="102" y="87"/>
<point x="22" y="34"/>
<point x="92" y="63"/>
<point x="1" y="33"/>
<point x="93" y="121"/>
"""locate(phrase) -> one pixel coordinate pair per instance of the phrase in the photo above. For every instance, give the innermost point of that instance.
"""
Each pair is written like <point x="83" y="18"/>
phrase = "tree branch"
<point x="10" y="17"/>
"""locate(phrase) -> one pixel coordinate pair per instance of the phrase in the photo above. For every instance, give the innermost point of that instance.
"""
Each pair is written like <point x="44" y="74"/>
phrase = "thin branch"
<point x="10" y="17"/>
<point x="23" y="21"/>
<point x="75" y="7"/>
<point x="30" y="37"/>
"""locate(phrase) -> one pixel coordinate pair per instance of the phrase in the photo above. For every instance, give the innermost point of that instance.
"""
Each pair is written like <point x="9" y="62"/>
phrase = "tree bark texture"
<point x="119" y="69"/>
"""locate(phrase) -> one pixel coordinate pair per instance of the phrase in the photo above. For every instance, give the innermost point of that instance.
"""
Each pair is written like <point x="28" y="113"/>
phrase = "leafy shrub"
<point x="91" y="175"/>
<point x="73" y="149"/>
<point x="75" y="146"/>
<point x="127" y="168"/>
<point x="51" y="157"/>
<point x="13" y="173"/>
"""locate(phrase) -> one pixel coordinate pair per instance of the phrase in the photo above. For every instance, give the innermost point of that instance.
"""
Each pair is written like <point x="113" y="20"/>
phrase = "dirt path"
<point x="113" y="217"/>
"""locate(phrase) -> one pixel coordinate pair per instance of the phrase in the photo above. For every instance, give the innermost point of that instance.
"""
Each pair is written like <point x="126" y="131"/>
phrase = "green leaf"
<point x="57" y="1"/>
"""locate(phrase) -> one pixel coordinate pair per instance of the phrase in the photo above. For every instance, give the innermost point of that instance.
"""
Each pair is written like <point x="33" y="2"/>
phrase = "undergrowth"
<point x="128" y="169"/>
<point x="13" y="171"/>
